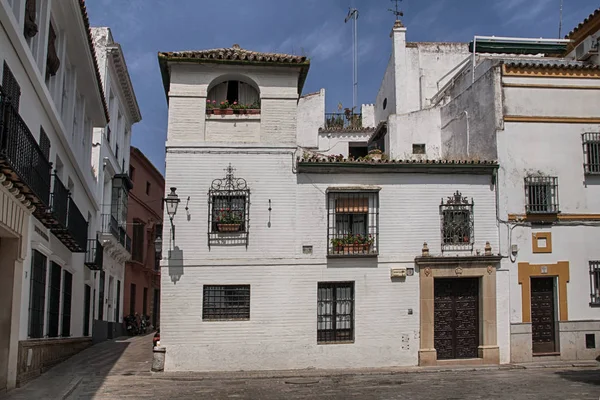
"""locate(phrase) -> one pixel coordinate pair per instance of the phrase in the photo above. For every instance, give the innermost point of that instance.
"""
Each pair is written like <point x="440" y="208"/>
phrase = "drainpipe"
<point x="467" y="115"/>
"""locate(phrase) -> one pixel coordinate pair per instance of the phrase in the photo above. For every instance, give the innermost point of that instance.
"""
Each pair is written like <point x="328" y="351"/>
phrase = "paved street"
<point x="120" y="369"/>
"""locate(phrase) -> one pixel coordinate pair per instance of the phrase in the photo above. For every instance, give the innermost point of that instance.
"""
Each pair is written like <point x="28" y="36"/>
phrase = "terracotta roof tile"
<point x="585" y="21"/>
<point x="236" y="53"/>
<point x="552" y="64"/>
<point x="338" y="159"/>
<point x="86" y="22"/>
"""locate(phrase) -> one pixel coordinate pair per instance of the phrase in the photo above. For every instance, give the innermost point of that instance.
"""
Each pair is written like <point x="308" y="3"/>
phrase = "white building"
<point x="288" y="256"/>
<point x="110" y="163"/>
<point x="538" y="115"/>
<point x="51" y="100"/>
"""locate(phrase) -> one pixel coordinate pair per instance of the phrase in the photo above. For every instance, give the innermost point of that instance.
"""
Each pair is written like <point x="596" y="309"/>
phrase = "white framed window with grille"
<point x="591" y="152"/>
<point x="595" y="283"/>
<point x="541" y="195"/>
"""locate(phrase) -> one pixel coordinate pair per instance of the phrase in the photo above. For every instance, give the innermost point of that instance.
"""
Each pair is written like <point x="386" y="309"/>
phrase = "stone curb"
<point x="313" y="373"/>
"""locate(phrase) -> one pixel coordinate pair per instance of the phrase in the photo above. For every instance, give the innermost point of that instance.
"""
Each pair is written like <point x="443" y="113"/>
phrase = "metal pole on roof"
<point x="560" y="19"/>
<point x="353" y="14"/>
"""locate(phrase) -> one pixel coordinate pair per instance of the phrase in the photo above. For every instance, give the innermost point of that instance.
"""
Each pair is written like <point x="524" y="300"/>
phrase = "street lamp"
<point x="158" y="245"/>
<point x="172" y="201"/>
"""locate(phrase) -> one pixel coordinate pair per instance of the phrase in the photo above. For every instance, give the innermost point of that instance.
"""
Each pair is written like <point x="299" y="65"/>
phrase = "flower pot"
<point x="237" y="111"/>
<point x="376" y="156"/>
<point x="210" y="111"/>
<point x="254" y="111"/>
<point x="228" y="227"/>
<point x="356" y="248"/>
<point x="223" y="111"/>
<point x="243" y="111"/>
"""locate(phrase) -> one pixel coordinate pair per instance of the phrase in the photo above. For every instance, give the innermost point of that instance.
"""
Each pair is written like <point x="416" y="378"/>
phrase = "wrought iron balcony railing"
<point x="110" y="225"/>
<point x="21" y="158"/>
<point x="77" y="226"/>
<point x="59" y="203"/>
<point x="345" y="120"/>
<point x="94" y="255"/>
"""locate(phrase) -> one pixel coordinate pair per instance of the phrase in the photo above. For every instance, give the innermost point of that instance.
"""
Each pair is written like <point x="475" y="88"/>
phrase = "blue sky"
<point x="315" y="28"/>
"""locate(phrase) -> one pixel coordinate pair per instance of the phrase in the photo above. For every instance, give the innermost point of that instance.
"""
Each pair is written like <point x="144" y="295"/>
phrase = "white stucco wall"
<point x="387" y="93"/>
<point x="339" y="142"/>
<point x="284" y="280"/>
<point x="419" y="127"/>
<point x="311" y="117"/>
<point x="368" y="116"/>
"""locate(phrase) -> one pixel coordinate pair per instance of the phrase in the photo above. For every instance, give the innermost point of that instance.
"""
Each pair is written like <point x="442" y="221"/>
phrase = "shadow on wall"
<point x="587" y="376"/>
<point x="175" y="264"/>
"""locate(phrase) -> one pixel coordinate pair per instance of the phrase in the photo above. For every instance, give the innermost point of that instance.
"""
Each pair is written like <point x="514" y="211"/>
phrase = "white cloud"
<point x="523" y="11"/>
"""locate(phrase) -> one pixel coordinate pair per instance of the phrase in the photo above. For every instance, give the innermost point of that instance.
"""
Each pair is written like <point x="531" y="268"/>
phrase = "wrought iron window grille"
<point x="335" y="312"/>
<point x="541" y="195"/>
<point x="352" y="223"/>
<point x="595" y="283"/>
<point x="591" y="152"/>
<point x="457" y="222"/>
<point x="226" y="302"/>
<point x="228" y="210"/>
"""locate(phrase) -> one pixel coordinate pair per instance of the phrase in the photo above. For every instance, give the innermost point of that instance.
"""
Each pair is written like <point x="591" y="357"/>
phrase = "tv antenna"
<point x="353" y="15"/>
<point x="396" y="11"/>
<point x="560" y="19"/>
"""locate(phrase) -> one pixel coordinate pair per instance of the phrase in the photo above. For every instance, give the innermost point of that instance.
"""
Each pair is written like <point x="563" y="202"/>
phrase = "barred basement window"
<point x="457" y="223"/>
<point x="335" y="312"/>
<point x="541" y="194"/>
<point x="352" y="223"/>
<point x="595" y="283"/>
<point x="228" y="210"/>
<point x="226" y="302"/>
<point x="591" y="152"/>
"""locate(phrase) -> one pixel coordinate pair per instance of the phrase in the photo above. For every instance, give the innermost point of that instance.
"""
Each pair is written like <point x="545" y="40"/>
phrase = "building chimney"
<point x="398" y="36"/>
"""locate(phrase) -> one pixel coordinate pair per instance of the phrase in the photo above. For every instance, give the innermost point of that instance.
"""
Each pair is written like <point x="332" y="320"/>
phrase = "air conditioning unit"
<point x="586" y="49"/>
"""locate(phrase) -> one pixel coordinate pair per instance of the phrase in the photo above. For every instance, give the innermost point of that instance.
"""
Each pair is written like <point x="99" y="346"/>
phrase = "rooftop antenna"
<point x="353" y="14"/>
<point x="560" y="19"/>
<point x="396" y="11"/>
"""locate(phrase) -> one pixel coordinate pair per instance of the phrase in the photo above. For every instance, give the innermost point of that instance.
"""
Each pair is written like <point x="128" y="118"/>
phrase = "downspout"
<point x="467" y="115"/>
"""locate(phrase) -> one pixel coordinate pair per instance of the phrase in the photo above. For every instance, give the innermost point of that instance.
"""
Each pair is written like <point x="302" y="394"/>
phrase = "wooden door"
<point x="456" y="318"/>
<point x="542" y="315"/>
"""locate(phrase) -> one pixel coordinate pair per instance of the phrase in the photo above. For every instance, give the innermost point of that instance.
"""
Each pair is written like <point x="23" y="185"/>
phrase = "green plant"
<point x="229" y="216"/>
<point x="349" y="240"/>
<point x="224" y="105"/>
<point x="236" y="106"/>
<point x="375" y="151"/>
<point x="254" y="106"/>
<point x="210" y="105"/>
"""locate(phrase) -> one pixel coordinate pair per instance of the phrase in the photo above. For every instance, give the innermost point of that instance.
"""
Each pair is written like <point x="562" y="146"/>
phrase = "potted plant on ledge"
<point x="253" y="108"/>
<point x="224" y="109"/>
<point x="375" y="154"/>
<point x="229" y="220"/>
<point x="210" y="106"/>
<point x="353" y="244"/>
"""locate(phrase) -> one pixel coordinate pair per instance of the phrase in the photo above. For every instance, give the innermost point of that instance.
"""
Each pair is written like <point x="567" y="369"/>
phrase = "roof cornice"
<point x="118" y="59"/>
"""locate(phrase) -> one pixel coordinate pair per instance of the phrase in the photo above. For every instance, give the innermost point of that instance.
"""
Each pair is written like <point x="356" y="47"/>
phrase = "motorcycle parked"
<point x="132" y="325"/>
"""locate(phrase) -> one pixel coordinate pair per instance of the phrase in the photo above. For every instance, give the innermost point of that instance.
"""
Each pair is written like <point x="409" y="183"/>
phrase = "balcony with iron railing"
<point x="343" y="121"/>
<point x="94" y="255"/>
<point x="21" y="158"/>
<point x="113" y="232"/>
<point x="64" y="219"/>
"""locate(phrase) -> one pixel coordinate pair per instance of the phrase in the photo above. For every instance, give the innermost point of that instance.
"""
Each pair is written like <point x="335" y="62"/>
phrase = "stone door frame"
<point x="482" y="267"/>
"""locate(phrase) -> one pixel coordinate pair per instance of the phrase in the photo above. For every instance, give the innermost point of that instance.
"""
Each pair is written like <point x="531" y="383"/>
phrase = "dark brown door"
<point x="456" y="318"/>
<point x="542" y="315"/>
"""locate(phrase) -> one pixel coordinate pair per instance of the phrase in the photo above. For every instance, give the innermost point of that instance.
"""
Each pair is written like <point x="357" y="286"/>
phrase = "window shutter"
<point x="44" y="144"/>
<point x="11" y="86"/>
<point x="352" y="205"/>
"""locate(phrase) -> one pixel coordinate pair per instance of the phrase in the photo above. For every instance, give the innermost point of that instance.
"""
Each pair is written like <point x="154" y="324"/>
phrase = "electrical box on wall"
<point x="398" y="273"/>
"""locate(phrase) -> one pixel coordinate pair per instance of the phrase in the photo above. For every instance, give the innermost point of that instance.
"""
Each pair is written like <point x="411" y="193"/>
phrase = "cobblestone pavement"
<point x="120" y="370"/>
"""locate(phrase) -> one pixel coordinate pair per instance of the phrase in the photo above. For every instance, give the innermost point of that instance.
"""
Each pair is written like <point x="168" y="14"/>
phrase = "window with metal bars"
<point x="11" y="86"/>
<point x="228" y="210"/>
<point x="335" y="312"/>
<point x="591" y="152"/>
<point x="54" y="299"/>
<point x="595" y="283"/>
<point x="66" y="304"/>
<point x="352" y="223"/>
<point x="457" y="223"/>
<point x="37" y="295"/>
<point x="541" y="194"/>
<point x="44" y="144"/>
<point x="226" y="302"/>
<point x="101" y="296"/>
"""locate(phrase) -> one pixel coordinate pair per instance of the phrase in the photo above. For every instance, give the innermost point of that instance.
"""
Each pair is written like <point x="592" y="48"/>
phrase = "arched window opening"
<point x="234" y="91"/>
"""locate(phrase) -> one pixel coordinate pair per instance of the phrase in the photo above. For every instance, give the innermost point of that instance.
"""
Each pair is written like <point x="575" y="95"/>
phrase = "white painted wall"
<point x="420" y="127"/>
<point x="339" y="142"/>
<point x="311" y="117"/>
<point x="368" y="116"/>
<point x="387" y="94"/>
<point x="284" y="280"/>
